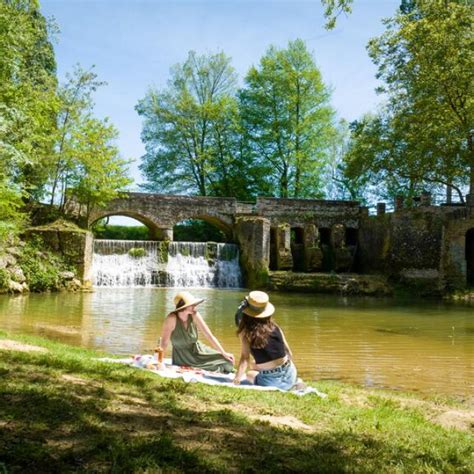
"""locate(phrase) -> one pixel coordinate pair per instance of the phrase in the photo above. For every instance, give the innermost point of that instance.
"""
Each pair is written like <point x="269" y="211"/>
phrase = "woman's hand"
<point x="236" y="380"/>
<point x="230" y="357"/>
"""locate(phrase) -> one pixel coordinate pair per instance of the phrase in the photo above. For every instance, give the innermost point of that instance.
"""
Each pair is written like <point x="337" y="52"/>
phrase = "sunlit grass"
<point x="65" y="411"/>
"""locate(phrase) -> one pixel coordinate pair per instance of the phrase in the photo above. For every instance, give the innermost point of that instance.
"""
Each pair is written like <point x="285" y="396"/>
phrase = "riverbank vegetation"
<point x="61" y="410"/>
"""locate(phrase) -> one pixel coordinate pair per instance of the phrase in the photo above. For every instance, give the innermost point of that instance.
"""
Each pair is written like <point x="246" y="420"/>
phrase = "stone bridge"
<point x="276" y="234"/>
<point x="160" y="213"/>
<point x="427" y="247"/>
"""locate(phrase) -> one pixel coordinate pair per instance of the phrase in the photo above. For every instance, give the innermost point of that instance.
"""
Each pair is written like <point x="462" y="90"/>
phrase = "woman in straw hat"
<point x="265" y="341"/>
<point x="181" y="328"/>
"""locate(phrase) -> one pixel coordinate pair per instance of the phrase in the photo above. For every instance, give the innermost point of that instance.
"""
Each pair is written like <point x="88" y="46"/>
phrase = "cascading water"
<point x="125" y="263"/>
<point x="121" y="263"/>
<point x="200" y="264"/>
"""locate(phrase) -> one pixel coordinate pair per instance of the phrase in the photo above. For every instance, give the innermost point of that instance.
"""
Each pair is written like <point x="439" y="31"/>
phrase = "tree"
<point x="85" y="166"/>
<point x="190" y="130"/>
<point x="97" y="174"/>
<point x="333" y="8"/>
<point x="76" y="105"/>
<point x="28" y="102"/>
<point x="288" y="120"/>
<point x="423" y="136"/>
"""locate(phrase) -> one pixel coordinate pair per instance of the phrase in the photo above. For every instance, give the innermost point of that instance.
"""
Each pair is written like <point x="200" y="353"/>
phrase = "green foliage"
<point x="87" y="167"/>
<point x="4" y="278"/>
<point x="191" y="132"/>
<point x="333" y="8"/>
<point x="422" y="138"/>
<point x="137" y="252"/>
<point x="11" y="217"/>
<point x="28" y="101"/>
<point x="120" y="232"/>
<point x="288" y="120"/>
<point x="41" y="268"/>
<point x="197" y="231"/>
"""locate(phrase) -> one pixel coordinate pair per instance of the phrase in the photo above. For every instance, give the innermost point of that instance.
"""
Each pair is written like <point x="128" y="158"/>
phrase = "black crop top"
<point x="274" y="348"/>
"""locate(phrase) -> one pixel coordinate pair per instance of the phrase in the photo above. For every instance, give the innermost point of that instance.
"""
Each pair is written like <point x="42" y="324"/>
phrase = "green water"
<point x="419" y="346"/>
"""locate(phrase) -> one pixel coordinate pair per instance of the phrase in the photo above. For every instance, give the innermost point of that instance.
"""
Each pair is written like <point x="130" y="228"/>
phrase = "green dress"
<point x="188" y="351"/>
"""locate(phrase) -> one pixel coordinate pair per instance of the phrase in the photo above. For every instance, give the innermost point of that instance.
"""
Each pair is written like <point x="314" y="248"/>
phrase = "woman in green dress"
<point x="181" y="328"/>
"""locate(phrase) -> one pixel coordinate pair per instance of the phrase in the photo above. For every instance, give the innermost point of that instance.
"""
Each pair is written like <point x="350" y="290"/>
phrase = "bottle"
<point x="159" y="352"/>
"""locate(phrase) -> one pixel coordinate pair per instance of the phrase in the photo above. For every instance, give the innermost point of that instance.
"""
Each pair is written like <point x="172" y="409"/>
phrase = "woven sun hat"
<point x="258" y="305"/>
<point x="187" y="298"/>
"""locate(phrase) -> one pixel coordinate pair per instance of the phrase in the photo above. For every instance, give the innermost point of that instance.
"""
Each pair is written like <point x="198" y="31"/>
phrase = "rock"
<point x="15" y="251"/>
<point x="16" y="274"/>
<point x="67" y="275"/>
<point x="15" y="287"/>
<point x="8" y="260"/>
<point x="3" y="261"/>
<point x="73" y="285"/>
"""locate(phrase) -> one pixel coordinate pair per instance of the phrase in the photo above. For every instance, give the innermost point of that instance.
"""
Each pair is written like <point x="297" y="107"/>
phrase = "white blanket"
<point x="202" y="376"/>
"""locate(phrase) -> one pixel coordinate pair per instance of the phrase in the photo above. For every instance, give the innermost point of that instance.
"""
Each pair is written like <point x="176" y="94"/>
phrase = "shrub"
<point x="41" y="268"/>
<point x="4" y="278"/>
<point x="137" y="252"/>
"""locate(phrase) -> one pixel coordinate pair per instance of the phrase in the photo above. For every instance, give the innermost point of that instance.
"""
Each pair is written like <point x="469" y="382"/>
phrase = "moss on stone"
<point x="137" y="252"/>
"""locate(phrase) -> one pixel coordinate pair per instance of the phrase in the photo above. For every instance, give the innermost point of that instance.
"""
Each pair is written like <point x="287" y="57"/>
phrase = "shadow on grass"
<point x="55" y="420"/>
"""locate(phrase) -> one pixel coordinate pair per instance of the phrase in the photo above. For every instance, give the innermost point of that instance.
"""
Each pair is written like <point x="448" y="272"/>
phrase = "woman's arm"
<point x="287" y="347"/>
<point x="244" y="359"/>
<point x="168" y="327"/>
<point x="204" y="328"/>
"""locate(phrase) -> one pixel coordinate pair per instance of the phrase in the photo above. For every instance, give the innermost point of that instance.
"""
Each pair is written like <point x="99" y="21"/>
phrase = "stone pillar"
<point x="364" y="211"/>
<point x="253" y="236"/>
<point x="162" y="233"/>
<point x="470" y="200"/>
<point x="283" y="247"/>
<point x="313" y="255"/>
<point x="381" y="208"/>
<point x="399" y="202"/>
<point x="342" y="255"/>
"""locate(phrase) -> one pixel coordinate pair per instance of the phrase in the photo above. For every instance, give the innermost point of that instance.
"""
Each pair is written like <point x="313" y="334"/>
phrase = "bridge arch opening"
<point x="122" y="227"/>
<point x="201" y="229"/>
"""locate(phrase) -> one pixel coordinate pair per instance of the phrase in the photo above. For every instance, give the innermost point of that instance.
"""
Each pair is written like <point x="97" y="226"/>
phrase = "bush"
<point x="4" y="278"/>
<point x="41" y="268"/>
<point x="137" y="252"/>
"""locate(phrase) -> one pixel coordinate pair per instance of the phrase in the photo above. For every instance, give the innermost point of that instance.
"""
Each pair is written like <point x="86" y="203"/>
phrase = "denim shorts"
<point x="283" y="376"/>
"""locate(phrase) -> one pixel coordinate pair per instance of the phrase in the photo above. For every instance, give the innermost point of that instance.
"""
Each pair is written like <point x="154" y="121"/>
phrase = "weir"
<point x="128" y="263"/>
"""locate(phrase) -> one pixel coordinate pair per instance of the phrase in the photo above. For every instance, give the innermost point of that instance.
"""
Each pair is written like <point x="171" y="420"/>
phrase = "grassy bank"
<point x="63" y="411"/>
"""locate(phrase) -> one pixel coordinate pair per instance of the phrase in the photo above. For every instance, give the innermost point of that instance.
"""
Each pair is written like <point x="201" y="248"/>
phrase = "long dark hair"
<point x="256" y="330"/>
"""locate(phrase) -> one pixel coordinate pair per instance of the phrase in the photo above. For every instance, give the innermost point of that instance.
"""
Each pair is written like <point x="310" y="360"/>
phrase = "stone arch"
<point x="154" y="229"/>
<point x="469" y="251"/>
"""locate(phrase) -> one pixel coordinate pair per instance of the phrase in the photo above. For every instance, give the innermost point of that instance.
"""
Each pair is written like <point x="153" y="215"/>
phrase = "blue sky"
<point x="133" y="44"/>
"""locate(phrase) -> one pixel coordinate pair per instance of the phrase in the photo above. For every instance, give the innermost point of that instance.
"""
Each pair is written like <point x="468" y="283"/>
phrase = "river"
<point x="423" y="346"/>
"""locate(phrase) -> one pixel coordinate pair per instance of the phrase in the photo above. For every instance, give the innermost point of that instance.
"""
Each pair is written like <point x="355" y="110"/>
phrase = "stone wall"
<point x="422" y="248"/>
<point x="74" y="245"/>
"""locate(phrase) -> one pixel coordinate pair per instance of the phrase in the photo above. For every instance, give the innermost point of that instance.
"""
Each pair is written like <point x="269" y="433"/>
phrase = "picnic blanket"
<point x="192" y="375"/>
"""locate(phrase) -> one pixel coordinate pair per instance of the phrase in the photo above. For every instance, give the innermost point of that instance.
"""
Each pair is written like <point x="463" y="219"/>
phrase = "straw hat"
<point x="188" y="298"/>
<point x="259" y="305"/>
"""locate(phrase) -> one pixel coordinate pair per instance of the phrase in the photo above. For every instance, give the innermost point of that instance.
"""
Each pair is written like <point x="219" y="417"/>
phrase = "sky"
<point x="133" y="44"/>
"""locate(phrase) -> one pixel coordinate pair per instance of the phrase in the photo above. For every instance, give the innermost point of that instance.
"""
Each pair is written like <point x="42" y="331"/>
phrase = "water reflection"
<point x="424" y="346"/>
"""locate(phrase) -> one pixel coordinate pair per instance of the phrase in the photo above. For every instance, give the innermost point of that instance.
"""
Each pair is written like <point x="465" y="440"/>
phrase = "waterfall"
<point x="120" y="263"/>
<point x="201" y="264"/>
<point x="126" y="263"/>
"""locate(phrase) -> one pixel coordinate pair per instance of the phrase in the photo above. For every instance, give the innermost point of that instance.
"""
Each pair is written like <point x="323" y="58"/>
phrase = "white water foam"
<point x="190" y="264"/>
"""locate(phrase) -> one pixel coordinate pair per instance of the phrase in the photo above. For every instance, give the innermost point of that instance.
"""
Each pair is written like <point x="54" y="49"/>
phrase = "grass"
<point x="63" y="411"/>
